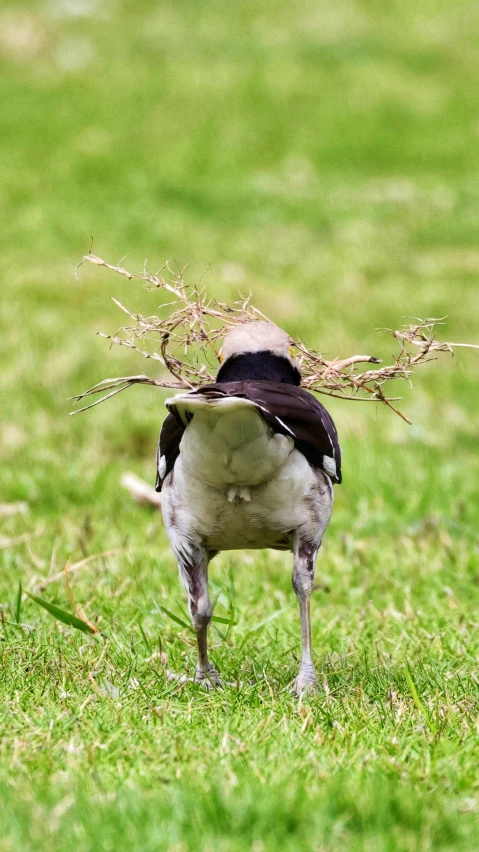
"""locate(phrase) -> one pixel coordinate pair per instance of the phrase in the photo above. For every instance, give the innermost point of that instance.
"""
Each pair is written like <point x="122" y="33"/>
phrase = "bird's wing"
<point x="287" y="409"/>
<point x="168" y="447"/>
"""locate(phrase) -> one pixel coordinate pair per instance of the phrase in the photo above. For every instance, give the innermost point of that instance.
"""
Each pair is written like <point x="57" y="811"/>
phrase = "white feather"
<point x="162" y="467"/>
<point x="329" y="465"/>
<point x="296" y="498"/>
<point x="227" y="442"/>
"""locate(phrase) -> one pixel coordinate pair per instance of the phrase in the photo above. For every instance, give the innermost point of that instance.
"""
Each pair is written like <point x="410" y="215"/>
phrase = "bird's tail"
<point x="186" y="404"/>
<point x="226" y="440"/>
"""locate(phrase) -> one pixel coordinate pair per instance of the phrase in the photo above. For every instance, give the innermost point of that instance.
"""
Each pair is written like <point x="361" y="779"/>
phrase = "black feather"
<point x="259" y="366"/>
<point x="169" y="445"/>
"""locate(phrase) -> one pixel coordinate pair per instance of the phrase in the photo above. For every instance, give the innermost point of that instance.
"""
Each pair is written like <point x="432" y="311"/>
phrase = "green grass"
<point x="324" y="156"/>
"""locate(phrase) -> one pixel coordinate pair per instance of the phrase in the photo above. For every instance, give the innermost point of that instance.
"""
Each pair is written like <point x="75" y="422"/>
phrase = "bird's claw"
<point x="306" y="681"/>
<point x="208" y="676"/>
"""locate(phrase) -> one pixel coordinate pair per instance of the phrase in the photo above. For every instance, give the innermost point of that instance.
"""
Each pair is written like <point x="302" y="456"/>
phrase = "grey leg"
<point x="194" y="573"/>
<point x="303" y="578"/>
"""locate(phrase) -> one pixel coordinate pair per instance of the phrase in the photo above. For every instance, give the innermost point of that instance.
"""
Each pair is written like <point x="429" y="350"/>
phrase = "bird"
<point x="248" y="462"/>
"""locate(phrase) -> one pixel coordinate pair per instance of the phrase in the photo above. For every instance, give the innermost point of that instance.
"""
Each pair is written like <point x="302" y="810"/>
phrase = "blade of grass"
<point x="264" y="622"/>
<point x="221" y="620"/>
<point x="18" y="604"/>
<point x="174" y="617"/>
<point x="417" y="701"/>
<point x="61" y="614"/>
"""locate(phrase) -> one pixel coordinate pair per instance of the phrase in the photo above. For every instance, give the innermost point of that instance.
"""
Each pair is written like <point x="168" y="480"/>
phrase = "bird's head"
<point x="258" y="351"/>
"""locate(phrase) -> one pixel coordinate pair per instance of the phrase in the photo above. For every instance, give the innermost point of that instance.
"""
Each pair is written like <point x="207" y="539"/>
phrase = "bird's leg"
<point x="303" y="578"/>
<point x="194" y="573"/>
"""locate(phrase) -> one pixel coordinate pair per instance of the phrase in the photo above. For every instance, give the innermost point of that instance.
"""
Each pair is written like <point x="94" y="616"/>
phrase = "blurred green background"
<point x="324" y="156"/>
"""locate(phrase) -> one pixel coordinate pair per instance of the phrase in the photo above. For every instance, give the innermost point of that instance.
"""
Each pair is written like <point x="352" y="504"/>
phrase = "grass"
<point x="326" y="158"/>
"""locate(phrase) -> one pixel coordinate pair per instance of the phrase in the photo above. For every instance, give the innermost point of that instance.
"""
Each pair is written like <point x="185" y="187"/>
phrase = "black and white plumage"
<point x="248" y="462"/>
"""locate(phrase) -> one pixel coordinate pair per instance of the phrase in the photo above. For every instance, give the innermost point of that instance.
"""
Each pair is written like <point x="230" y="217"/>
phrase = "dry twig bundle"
<point x="186" y="341"/>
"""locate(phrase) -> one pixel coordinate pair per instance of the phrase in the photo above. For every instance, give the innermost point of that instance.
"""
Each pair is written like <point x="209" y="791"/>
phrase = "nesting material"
<point x="185" y="341"/>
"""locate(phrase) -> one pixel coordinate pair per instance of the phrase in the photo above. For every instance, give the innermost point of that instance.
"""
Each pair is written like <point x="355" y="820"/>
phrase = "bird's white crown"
<point x="256" y="337"/>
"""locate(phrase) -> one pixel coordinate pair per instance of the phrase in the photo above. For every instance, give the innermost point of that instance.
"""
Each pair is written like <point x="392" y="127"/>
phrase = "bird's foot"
<point x="208" y="676"/>
<point x="306" y="681"/>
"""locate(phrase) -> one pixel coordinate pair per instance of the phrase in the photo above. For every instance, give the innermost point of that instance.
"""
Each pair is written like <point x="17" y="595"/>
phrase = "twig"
<point x="41" y="586"/>
<point x="192" y="325"/>
<point x="76" y="607"/>
<point x="6" y="542"/>
<point x="140" y="490"/>
<point x="9" y="509"/>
